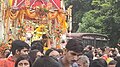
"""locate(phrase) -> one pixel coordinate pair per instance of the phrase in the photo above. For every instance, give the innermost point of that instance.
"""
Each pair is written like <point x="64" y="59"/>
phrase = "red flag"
<point x="56" y="3"/>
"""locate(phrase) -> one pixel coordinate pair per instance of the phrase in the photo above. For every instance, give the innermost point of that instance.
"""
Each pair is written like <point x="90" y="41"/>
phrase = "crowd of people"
<point x="73" y="55"/>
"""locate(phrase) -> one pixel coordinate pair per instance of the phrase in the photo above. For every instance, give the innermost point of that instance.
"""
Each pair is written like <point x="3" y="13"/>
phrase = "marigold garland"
<point x="13" y="15"/>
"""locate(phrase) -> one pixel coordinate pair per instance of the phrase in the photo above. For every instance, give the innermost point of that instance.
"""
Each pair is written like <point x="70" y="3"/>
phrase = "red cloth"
<point x="7" y="62"/>
<point x="105" y="57"/>
<point x="56" y="3"/>
<point x="37" y="2"/>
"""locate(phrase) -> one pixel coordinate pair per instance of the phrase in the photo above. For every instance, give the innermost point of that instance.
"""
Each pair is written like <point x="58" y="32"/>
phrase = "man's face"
<point x="72" y="56"/>
<point x="24" y="51"/>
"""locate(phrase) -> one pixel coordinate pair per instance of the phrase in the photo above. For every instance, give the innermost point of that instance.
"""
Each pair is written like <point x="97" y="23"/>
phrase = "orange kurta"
<point x="7" y="62"/>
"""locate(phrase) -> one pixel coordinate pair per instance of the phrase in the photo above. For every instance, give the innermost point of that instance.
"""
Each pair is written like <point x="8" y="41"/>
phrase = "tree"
<point x="92" y="22"/>
<point x="79" y="8"/>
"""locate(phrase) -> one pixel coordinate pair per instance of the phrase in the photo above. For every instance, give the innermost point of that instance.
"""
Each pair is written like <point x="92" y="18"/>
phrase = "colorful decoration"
<point x="27" y="3"/>
<point x="41" y="30"/>
<point x="35" y="3"/>
<point x="49" y="17"/>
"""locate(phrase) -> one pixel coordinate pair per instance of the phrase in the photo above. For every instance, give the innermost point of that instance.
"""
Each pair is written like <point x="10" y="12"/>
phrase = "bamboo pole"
<point x="70" y="18"/>
<point x="63" y="5"/>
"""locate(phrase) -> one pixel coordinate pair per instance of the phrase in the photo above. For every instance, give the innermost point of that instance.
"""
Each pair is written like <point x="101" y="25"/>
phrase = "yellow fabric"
<point x="40" y="30"/>
<point x="108" y="60"/>
<point x="46" y="48"/>
<point x="23" y="38"/>
<point x="62" y="22"/>
<point x="10" y="2"/>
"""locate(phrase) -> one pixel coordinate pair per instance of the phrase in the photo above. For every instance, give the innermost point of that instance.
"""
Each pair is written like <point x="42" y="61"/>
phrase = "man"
<point x="46" y="61"/>
<point x="74" y="49"/>
<point x="37" y="45"/>
<point x="99" y="63"/>
<point x="18" y="48"/>
<point x="45" y="42"/>
<point x="44" y="39"/>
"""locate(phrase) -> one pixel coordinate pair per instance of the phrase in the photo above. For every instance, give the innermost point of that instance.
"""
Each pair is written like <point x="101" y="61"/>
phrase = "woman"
<point x="23" y="61"/>
<point x="83" y="61"/>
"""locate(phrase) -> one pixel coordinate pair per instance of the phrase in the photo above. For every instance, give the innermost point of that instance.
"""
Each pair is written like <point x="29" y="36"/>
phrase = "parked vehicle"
<point x="94" y="39"/>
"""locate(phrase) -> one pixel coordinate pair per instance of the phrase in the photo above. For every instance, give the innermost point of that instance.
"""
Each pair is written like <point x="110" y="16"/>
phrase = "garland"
<point x="30" y="14"/>
<point x="52" y="15"/>
<point x="13" y="15"/>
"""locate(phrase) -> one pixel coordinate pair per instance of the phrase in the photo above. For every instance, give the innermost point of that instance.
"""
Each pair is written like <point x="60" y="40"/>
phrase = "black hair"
<point x="37" y="45"/>
<point x="60" y="51"/>
<point x="118" y="64"/>
<point x="117" y="58"/>
<point x="50" y="50"/>
<point x="10" y="40"/>
<point x="33" y="54"/>
<point x="113" y="62"/>
<point x="103" y="49"/>
<point x="18" y="45"/>
<point x="89" y="54"/>
<point x="63" y="41"/>
<point x="44" y="36"/>
<point x="99" y="63"/>
<point x="23" y="57"/>
<point x="46" y="61"/>
<point x="74" y="45"/>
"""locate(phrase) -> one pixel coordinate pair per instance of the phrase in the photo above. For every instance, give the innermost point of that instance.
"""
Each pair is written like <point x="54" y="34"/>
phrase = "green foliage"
<point x="91" y="22"/>
<point x="95" y="2"/>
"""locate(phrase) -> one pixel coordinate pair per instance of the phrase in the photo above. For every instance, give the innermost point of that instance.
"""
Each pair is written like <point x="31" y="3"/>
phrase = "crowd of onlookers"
<point x="73" y="55"/>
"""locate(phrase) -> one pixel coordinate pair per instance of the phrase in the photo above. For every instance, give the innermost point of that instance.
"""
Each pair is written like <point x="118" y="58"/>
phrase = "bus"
<point x="94" y="39"/>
